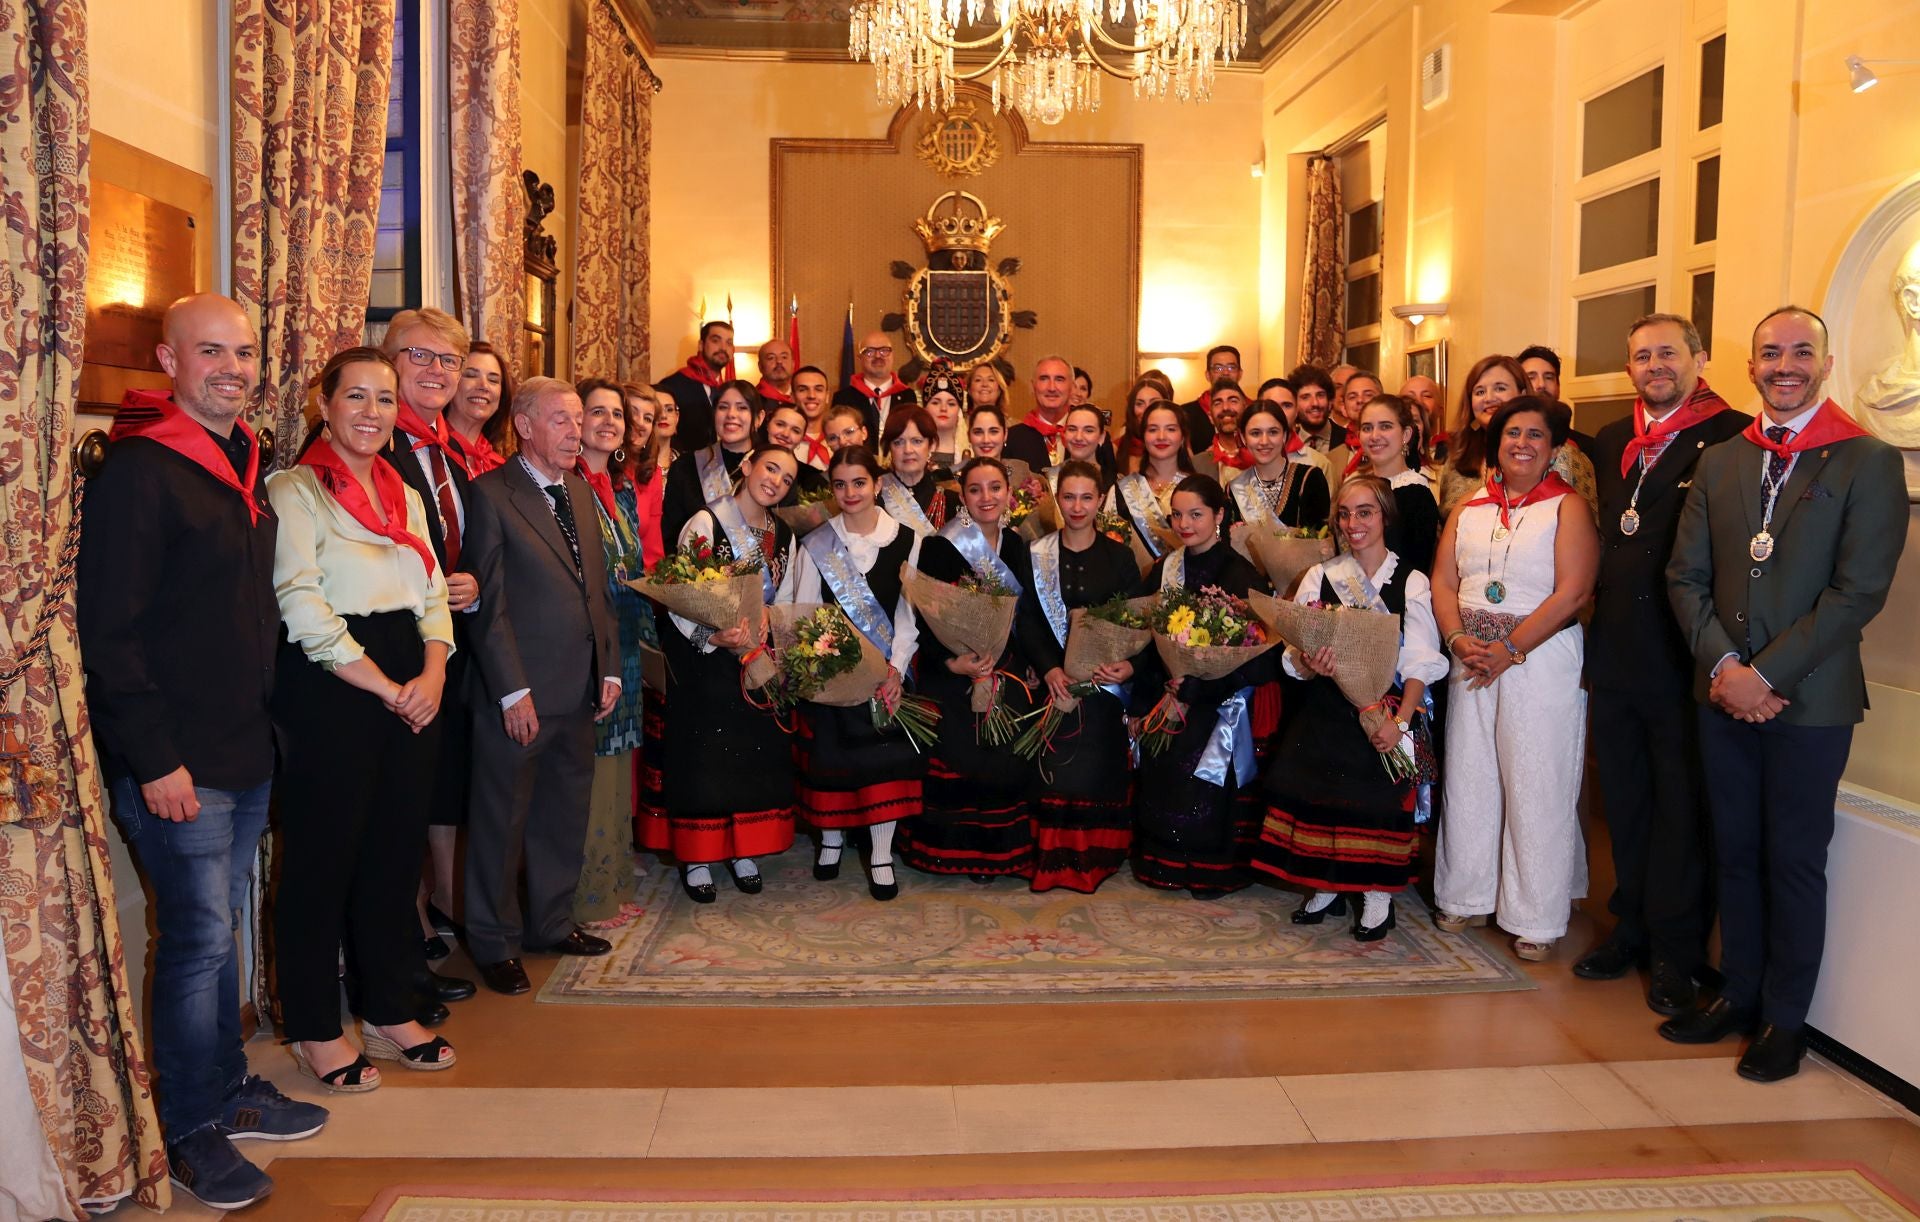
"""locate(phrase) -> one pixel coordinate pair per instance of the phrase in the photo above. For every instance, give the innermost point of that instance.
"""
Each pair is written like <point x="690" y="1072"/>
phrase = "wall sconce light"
<point x="1259" y="168"/>
<point x="1420" y="311"/>
<point x="1861" y="78"/>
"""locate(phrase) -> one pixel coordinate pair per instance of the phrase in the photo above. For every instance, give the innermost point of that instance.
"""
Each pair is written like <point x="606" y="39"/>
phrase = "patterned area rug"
<point x="947" y="940"/>
<point x="1778" y="1193"/>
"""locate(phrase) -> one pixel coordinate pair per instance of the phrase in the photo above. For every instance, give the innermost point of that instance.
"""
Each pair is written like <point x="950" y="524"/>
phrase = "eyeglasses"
<point x="876" y="352"/>
<point x="426" y="356"/>
<point x="1225" y="367"/>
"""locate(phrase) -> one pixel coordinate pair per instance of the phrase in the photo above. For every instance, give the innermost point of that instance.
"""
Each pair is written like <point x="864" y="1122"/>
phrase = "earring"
<point x="620" y="457"/>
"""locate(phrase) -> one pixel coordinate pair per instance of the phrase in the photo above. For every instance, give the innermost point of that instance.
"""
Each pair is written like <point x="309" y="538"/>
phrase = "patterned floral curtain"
<point x="309" y="120"/>
<point x="489" y="203"/>
<point x="65" y="960"/>
<point x="610" y="234"/>
<point x="1323" y="281"/>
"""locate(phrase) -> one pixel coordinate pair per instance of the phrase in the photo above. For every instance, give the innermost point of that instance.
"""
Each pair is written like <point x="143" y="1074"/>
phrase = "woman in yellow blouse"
<point x="356" y="700"/>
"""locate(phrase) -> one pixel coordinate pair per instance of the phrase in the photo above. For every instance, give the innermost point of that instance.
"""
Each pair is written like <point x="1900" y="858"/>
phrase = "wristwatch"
<point x="1517" y="655"/>
<point x="1406" y="727"/>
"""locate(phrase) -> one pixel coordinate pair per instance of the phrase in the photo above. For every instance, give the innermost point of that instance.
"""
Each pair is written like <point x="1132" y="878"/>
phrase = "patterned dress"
<point x="607" y="880"/>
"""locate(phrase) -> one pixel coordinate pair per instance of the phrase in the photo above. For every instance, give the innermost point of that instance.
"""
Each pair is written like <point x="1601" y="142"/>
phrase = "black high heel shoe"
<point x="827" y="871"/>
<point x="1337" y="908"/>
<point x="878" y="890"/>
<point x="1371" y="933"/>
<point x="751" y="884"/>
<point x="701" y="893"/>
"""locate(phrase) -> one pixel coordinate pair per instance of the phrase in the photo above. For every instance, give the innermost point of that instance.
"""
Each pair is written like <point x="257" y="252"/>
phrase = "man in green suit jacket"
<point x="1786" y="550"/>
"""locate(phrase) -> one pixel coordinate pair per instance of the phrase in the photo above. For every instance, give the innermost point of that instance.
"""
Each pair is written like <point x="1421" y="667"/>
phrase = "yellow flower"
<point x="1199" y="638"/>
<point x="1180" y="621"/>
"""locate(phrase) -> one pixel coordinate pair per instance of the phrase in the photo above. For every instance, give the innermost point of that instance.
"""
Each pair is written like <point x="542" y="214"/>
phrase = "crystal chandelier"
<point x="1046" y="57"/>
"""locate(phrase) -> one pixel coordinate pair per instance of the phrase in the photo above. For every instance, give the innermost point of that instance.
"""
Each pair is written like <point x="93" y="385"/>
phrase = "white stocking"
<point x="881" y="858"/>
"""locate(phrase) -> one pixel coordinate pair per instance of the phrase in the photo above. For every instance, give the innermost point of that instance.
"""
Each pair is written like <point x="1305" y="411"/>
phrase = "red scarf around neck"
<point x="772" y="393"/>
<point x="816" y="448"/>
<point x="1829" y="425"/>
<point x="1702" y="404"/>
<point x="351" y="495"/>
<point x="1240" y="460"/>
<point x="602" y="484"/>
<point x="1493" y="492"/>
<point x="893" y="387"/>
<point x="154" y="415"/>
<point x="702" y="372"/>
<point x="481" y="456"/>
<point x="422" y="434"/>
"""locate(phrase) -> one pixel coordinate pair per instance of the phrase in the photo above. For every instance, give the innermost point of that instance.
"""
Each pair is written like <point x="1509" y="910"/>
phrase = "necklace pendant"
<point x="1496" y="592"/>
<point x="1501" y="532"/>
<point x="1761" y="547"/>
<point x="1630" y="521"/>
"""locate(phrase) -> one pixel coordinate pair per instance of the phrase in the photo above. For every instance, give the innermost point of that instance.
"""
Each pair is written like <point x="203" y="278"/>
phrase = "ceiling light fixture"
<point x="1861" y="78"/>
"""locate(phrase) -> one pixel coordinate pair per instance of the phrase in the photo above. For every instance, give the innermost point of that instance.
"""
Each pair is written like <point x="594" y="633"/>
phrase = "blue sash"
<point x="850" y="588"/>
<point x="901" y="507"/>
<point x="1173" y="574"/>
<point x="745" y="541"/>
<point x="1136" y="497"/>
<point x="971" y="542"/>
<point x="715" y="483"/>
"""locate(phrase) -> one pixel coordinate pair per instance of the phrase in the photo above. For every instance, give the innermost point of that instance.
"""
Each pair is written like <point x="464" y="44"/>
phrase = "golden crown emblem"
<point x="956" y="231"/>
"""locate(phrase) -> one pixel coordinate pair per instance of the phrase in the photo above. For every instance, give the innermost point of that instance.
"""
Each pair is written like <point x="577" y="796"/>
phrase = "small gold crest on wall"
<point x="958" y="142"/>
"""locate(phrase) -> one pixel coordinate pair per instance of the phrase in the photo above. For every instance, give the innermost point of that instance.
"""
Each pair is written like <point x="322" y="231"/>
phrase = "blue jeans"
<point x="197" y="873"/>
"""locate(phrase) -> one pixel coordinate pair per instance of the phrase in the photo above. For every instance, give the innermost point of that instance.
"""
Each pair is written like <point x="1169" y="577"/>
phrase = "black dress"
<point x="976" y="820"/>
<point x="683" y="497"/>
<point x="1190" y="833"/>
<point x="1416" y="534"/>
<point x="1303" y="500"/>
<point x="1335" y="821"/>
<point x="1083" y="814"/>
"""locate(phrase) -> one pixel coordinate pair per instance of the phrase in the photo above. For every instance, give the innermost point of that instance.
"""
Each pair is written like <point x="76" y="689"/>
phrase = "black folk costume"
<point x="1298" y="499"/>
<point x="975" y="821"/>
<point x="1415" y="533"/>
<point x="696" y="481"/>
<point x="1190" y="833"/>
<point x="1083" y="808"/>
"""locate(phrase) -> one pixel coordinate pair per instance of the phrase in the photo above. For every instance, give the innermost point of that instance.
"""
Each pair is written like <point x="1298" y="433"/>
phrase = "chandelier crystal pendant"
<point x="1045" y="58"/>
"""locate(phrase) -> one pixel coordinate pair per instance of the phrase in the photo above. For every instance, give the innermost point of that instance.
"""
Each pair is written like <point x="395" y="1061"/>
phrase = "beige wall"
<point x="154" y="72"/>
<point x="712" y="227"/>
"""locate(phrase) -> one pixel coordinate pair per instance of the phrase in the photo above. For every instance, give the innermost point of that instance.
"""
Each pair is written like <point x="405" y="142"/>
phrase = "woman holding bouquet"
<point x="1190" y="832"/>
<point x="1390" y="439"/>
<point x="853" y="775"/>
<point x="1516" y="563"/>
<point x="910" y="491"/>
<point x="729" y="795"/>
<point x="976" y="819"/>
<point x="1337" y="820"/>
<point x="707" y="475"/>
<point x="1279" y="489"/>
<point x="1144" y="495"/>
<point x="1083" y="816"/>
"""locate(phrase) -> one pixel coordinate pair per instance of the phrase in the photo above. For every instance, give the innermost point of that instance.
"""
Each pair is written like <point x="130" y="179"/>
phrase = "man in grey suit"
<point x="1786" y="550"/>
<point x="548" y="651"/>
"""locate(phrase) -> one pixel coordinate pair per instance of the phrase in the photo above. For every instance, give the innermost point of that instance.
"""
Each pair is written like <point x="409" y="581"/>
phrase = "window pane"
<point x="1595" y="414"/>
<point x="1701" y="310"/>
<point x="390" y="248"/>
<point x="1713" y="80"/>
<point x="393" y="207"/>
<point x="1621" y="227"/>
<point x="1623" y="122"/>
<point x="1601" y="345"/>
<point x="1363" y="233"/>
<point x="1706" y="200"/>
<point x="389" y="291"/>
<point x="1363" y="302"/>
<point x="1364" y="356"/>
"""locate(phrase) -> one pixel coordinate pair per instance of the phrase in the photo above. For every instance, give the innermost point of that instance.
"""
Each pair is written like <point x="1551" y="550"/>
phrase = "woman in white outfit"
<point x="1514" y="566"/>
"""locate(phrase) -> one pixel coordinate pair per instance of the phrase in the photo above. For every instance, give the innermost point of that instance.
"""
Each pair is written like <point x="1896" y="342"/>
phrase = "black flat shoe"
<point x="1337" y="908"/>
<point x="1607" y="961"/>
<point x="751" y="884"/>
<point x="448" y="988"/>
<point x="579" y="942"/>
<point x="1373" y="933"/>
<point x="699" y="893"/>
<point x="433" y="1014"/>
<point x="1707" y="1025"/>
<point x="1774" y="1055"/>
<point x="435" y="949"/>
<point x="883" y="891"/>
<point x="827" y="871"/>
<point x="1671" y="991"/>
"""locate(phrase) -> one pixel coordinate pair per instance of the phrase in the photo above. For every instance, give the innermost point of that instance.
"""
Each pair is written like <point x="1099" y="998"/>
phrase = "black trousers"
<point x="1771" y="789"/>
<point x="354" y="788"/>
<point x="1647" y="749"/>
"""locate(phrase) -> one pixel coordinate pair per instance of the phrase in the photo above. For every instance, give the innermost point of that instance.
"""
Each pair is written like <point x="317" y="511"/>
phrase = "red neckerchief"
<point x="1702" y="404"/>
<point x="423" y="435"/>
<point x="1295" y="442"/>
<point x="771" y="393"/>
<point x="1049" y="432"/>
<point x="602" y="484"/>
<point x="1239" y="460"/>
<point x="816" y="448"/>
<point x="1829" y="424"/>
<point x="481" y="456"/>
<point x="352" y="497"/>
<point x="702" y="372"/>
<point x="1493" y="493"/>
<point x="892" y="388"/>
<point x="1353" y="462"/>
<point x="1353" y="436"/>
<point x="154" y="415"/>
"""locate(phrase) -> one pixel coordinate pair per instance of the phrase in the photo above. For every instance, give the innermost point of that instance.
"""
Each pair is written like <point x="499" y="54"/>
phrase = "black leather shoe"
<point x="827" y="871"/>
<point x="435" y="949"/>
<point x="1774" y="1054"/>
<point x="883" y="891"/>
<point x="579" y="942"/>
<point x="1372" y="933"/>
<point x="1708" y="1024"/>
<point x="699" y="893"/>
<point x="1338" y="908"/>
<point x="441" y="921"/>
<point x="448" y="988"/>
<point x="506" y="976"/>
<point x="751" y="884"/>
<point x="1671" y="991"/>
<point x="433" y="1014"/>
<point x="1607" y="961"/>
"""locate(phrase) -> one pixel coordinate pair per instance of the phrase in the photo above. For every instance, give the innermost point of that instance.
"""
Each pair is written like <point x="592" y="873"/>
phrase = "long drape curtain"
<point x="1323" y="278"/>
<point x="610" y="234"/>
<point x="489" y="203"/>
<point x="65" y="961"/>
<point x="309" y="85"/>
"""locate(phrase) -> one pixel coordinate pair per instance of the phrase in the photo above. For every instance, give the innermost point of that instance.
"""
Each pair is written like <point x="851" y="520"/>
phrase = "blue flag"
<point x="847" y="366"/>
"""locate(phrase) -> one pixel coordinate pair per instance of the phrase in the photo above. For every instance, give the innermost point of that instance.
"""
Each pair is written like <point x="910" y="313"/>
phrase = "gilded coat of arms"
<point x="958" y="143"/>
<point x="958" y="309"/>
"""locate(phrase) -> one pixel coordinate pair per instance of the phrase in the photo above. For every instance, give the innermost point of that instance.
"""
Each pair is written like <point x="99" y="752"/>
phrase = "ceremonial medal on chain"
<point x="1630" y="521"/>
<point x="1496" y="592"/>
<point x="1500" y="532"/>
<point x="1761" y="547"/>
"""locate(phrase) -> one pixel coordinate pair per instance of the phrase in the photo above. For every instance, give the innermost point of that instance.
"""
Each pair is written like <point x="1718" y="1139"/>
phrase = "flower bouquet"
<point x="815" y="506"/>
<point x="695" y="583"/>
<point x="1284" y="552"/>
<point x="1113" y="631"/>
<point x="1031" y="511"/>
<point x="1114" y="526"/>
<point x="822" y="657"/>
<point x="1204" y="634"/>
<point x="1367" y="644"/>
<point x="973" y="615"/>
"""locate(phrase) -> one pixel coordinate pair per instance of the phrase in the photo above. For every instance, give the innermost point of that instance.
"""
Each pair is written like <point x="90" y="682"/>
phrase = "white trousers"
<point x="1510" y="840"/>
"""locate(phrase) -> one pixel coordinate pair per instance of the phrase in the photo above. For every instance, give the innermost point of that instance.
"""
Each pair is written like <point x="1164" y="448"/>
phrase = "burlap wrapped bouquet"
<point x="1365" y="644"/>
<point x="1200" y="634"/>
<point x="719" y="601"/>
<point x="812" y="511"/>
<point x="976" y="621"/>
<point x="845" y="689"/>
<point x="1282" y="553"/>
